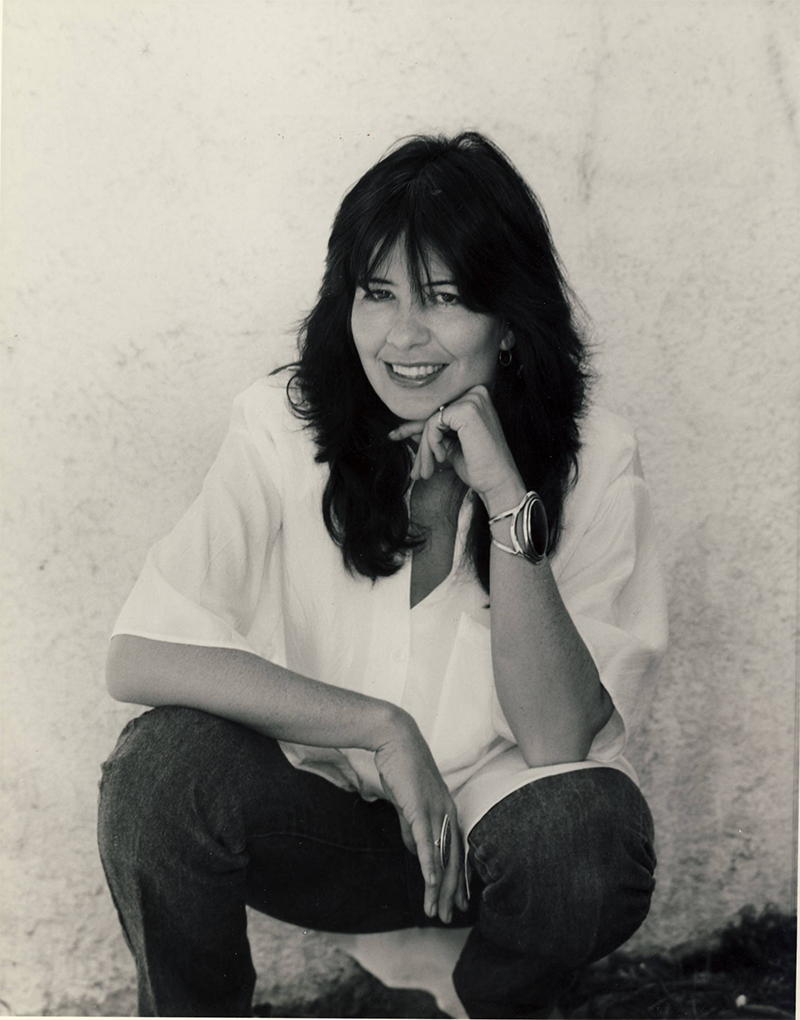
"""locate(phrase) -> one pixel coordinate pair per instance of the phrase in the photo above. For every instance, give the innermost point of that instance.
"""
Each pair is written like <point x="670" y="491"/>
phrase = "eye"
<point x="376" y="294"/>
<point x="445" y="298"/>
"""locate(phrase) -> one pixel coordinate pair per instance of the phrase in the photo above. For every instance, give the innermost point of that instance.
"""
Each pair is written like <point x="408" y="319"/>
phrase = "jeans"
<point x="200" y="816"/>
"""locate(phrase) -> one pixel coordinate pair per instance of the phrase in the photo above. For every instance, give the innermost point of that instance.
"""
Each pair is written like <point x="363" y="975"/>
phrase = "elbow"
<point x="115" y="679"/>
<point x="594" y="717"/>
<point x="538" y="754"/>
<point x="569" y="738"/>
<point x="120" y="677"/>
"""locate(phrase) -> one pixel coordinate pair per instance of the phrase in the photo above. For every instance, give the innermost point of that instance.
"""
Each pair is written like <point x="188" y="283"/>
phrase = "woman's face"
<point x="420" y="354"/>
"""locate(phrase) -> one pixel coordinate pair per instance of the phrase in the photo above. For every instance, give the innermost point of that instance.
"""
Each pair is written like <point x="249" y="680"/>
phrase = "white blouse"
<point x="251" y="566"/>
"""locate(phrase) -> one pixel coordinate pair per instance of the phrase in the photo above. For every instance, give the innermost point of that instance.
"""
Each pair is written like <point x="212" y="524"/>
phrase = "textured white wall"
<point x="170" y="172"/>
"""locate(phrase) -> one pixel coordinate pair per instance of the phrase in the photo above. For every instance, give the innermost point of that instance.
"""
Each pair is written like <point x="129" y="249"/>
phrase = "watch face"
<point x="534" y="530"/>
<point x="539" y="534"/>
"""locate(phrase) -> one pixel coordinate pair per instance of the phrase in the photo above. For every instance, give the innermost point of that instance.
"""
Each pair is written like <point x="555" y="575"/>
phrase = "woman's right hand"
<point x="413" y="783"/>
<point x="306" y="711"/>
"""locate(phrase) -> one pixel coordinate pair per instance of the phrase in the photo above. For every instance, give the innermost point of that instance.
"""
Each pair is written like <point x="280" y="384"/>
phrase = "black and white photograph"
<point x="400" y="483"/>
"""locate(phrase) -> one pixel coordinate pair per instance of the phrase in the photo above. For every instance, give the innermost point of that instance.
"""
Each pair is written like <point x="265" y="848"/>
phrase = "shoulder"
<point x="608" y="446"/>
<point x="264" y="407"/>
<point x="608" y="465"/>
<point x="263" y="412"/>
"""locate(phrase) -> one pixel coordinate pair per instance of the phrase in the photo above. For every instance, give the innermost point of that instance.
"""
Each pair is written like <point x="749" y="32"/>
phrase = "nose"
<point x="408" y="328"/>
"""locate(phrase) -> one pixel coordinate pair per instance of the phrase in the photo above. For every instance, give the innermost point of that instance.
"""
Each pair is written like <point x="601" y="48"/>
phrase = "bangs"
<point x="427" y="218"/>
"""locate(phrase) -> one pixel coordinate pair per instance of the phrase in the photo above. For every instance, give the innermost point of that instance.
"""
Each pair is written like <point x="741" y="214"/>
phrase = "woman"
<point x="395" y="646"/>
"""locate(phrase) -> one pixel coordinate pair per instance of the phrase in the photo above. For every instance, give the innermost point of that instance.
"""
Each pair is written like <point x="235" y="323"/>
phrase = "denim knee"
<point x="161" y="779"/>
<point x="566" y="866"/>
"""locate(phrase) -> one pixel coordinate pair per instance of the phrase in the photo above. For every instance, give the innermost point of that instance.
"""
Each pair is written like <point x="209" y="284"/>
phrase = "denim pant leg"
<point x="565" y="875"/>
<point x="200" y="816"/>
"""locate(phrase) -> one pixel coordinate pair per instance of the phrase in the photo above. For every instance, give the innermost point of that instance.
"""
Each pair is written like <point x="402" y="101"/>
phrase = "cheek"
<point x="366" y="334"/>
<point x="484" y="348"/>
<point x="484" y="363"/>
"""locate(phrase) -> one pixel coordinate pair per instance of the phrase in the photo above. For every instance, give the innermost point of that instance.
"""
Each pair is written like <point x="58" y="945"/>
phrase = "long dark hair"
<point x="461" y="200"/>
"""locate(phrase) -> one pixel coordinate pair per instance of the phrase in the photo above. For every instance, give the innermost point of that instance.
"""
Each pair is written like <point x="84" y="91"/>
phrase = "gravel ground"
<point x="746" y="971"/>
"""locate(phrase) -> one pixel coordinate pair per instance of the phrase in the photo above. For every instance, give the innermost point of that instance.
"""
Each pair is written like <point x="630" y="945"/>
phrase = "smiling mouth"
<point x="416" y="374"/>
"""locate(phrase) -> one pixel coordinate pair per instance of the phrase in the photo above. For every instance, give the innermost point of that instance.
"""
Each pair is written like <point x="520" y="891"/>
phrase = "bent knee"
<point x="152" y="745"/>
<point x="566" y="864"/>
<point x="157" y="769"/>
<point x="165" y="739"/>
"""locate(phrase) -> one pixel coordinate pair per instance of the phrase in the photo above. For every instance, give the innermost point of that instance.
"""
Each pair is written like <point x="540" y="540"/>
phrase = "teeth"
<point x="415" y="371"/>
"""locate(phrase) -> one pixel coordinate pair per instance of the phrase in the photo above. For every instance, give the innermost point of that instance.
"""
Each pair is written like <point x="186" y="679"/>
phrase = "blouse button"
<point x="398" y="655"/>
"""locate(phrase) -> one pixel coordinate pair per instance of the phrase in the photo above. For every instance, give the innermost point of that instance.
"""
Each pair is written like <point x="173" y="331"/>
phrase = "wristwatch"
<point x="529" y="532"/>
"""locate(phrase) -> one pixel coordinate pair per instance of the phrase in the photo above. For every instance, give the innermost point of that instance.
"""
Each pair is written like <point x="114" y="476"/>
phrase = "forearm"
<point x="247" y="689"/>
<point x="546" y="680"/>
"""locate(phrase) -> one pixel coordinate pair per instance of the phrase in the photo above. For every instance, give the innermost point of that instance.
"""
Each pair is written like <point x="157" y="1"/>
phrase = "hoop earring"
<point x="505" y="358"/>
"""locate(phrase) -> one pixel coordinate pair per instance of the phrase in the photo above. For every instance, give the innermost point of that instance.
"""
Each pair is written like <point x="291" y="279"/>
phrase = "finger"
<point x="436" y="440"/>
<point x="427" y="462"/>
<point x="431" y="900"/>
<point x="415" y="467"/>
<point x="461" y="413"/>
<point x="448" y="890"/>
<point x="407" y="429"/>
<point x="427" y="864"/>
<point x="451" y="447"/>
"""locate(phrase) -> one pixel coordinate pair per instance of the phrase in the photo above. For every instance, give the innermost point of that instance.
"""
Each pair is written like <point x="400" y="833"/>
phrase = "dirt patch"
<point x="746" y="971"/>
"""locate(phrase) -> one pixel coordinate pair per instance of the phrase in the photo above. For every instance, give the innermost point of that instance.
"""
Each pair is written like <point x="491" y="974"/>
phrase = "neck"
<point x="438" y="497"/>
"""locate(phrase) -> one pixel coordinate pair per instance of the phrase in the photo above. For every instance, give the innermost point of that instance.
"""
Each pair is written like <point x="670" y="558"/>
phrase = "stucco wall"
<point x="170" y="171"/>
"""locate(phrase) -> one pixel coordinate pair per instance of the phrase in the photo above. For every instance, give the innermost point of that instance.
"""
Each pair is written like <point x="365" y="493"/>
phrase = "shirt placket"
<point x="391" y="637"/>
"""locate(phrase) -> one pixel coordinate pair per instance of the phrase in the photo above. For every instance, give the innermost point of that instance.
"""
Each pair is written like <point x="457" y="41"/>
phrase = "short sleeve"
<point x="613" y="588"/>
<point x="213" y="580"/>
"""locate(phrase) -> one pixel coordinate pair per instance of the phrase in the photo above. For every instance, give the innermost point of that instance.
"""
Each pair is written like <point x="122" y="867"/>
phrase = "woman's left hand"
<point x="468" y="434"/>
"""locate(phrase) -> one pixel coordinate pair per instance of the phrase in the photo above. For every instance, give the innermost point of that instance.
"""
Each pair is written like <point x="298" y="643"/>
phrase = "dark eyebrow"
<point x="429" y="283"/>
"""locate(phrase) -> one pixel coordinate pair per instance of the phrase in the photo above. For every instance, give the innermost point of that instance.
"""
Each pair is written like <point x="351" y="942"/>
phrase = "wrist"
<point x="504" y="496"/>
<point x="390" y="722"/>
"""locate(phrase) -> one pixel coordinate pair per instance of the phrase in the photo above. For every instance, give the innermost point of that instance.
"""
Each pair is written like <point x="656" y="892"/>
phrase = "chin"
<point x="412" y="410"/>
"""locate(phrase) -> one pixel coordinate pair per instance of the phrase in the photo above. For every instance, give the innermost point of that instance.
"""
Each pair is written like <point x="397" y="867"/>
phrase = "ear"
<point x="508" y="341"/>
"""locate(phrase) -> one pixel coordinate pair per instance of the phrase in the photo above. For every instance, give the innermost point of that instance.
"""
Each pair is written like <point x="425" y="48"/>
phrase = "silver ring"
<point x="442" y="425"/>
<point x="443" y="842"/>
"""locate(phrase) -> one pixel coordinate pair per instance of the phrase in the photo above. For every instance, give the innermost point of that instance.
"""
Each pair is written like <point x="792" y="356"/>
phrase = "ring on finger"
<point x="441" y="423"/>
<point x="443" y="842"/>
